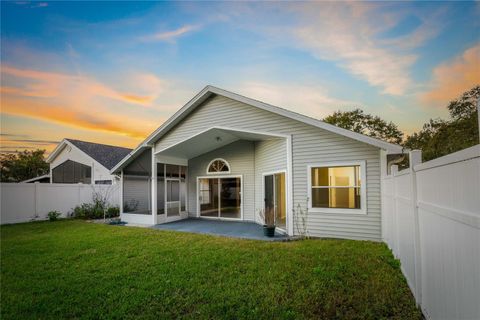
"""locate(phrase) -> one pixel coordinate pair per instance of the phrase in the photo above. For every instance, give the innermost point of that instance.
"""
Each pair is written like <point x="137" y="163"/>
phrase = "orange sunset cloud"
<point x="49" y="84"/>
<point x="455" y="77"/>
<point x="103" y="122"/>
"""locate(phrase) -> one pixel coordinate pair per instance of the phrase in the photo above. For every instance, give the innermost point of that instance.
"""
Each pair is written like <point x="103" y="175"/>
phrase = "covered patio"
<point x="233" y="229"/>
<point x="218" y="174"/>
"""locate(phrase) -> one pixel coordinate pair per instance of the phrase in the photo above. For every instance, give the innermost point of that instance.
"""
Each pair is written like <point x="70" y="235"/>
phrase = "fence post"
<point x="396" y="251"/>
<point x="416" y="158"/>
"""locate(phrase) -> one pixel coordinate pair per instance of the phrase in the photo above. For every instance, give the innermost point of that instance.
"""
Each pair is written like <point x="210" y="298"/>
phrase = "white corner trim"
<point x="363" y="187"/>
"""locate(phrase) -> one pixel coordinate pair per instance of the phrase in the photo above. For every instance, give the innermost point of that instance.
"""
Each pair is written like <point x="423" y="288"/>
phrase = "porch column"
<point x="290" y="205"/>
<point x="121" y="192"/>
<point x="154" y="187"/>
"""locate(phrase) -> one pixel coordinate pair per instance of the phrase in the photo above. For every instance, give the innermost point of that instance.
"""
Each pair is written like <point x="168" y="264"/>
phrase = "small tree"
<point x="441" y="137"/>
<point x="23" y="165"/>
<point x="367" y="124"/>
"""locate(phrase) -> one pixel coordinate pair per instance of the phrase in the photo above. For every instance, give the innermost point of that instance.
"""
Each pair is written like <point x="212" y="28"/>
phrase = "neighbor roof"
<point x="209" y="91"/>
<point x="107" y="155"/>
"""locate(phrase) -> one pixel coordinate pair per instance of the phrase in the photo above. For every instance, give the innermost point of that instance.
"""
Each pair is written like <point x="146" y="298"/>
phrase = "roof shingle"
<point x="108" y="156"/>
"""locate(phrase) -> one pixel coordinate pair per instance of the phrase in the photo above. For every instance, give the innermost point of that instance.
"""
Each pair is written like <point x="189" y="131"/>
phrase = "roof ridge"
<point x="101" y="144"/>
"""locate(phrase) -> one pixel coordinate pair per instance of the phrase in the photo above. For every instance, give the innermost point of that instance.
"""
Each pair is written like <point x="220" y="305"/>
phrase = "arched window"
<point x="218" y="166"/>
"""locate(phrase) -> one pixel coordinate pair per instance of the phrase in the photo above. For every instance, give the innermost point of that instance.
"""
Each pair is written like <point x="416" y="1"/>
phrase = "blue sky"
<point x="112" y="72"/>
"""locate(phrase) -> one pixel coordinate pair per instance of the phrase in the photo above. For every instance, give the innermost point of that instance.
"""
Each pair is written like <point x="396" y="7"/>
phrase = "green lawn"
<point x="75" y="269"/>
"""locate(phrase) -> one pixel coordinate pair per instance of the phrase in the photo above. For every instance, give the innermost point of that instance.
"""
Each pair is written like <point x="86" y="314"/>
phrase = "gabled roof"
<point x="107" y="155"/>
<point x="209" y="91"/>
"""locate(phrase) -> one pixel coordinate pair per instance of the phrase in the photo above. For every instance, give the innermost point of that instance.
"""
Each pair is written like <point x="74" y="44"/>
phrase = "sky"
<point x="112" y="72"/>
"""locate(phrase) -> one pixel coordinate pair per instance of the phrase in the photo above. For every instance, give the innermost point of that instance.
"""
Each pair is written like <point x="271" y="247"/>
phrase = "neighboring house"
<point x="226" y="156"/>
<point x="75" y="161"/>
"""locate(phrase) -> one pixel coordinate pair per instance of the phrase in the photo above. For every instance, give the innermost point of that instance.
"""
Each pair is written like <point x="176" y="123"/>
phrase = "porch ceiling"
<point x="209" y="140"/>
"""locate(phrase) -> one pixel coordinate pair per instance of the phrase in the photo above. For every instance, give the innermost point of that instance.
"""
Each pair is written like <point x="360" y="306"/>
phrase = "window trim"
<point x="363" y="187"/>
<point x="221" y="172"/>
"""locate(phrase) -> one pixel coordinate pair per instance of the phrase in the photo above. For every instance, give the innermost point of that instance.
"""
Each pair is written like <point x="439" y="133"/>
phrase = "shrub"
<point x="130" y="206"/>
<point x="113" y="212"/>
<point x="53" y="215"/>
<point x="95" y="211"/>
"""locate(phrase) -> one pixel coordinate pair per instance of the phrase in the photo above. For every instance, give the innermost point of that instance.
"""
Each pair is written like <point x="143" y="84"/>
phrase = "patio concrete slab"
<point x="234" y="229"/>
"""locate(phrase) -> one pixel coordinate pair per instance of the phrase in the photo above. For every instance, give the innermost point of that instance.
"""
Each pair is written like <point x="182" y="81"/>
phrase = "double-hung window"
<point x="337" y="187"/>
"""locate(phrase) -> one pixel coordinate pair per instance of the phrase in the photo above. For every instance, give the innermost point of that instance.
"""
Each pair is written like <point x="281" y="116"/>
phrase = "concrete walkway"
<point x="234" y="229"/>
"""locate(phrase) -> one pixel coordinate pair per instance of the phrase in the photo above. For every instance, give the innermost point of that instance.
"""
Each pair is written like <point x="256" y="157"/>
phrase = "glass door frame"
<point x="210" y="176"/>
<point x="272" y="173"/>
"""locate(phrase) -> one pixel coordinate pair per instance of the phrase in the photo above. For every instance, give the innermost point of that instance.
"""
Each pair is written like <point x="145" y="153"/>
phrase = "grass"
<point x="76" y="269"/>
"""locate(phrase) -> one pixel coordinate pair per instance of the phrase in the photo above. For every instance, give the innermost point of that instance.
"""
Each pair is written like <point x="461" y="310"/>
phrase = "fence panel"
<point x="439" y="250"/>
<point x="22" y="202"/>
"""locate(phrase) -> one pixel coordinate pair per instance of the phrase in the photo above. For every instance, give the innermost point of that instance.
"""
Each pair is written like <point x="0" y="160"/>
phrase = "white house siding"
<point x="99" y="172"/>
<point x="310" y="145"/>
<point x="240" y="156"/>
<point x="270" y="156"/>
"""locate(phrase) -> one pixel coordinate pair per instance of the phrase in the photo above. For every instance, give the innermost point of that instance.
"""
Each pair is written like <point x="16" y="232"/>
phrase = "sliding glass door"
<point x="275" y="198"/>
<point x="220" y="197"/>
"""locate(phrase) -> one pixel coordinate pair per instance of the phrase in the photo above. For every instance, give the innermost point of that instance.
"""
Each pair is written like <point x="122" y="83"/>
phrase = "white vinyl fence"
<point x="431" y="221"/>
<point x="22" y="202"/>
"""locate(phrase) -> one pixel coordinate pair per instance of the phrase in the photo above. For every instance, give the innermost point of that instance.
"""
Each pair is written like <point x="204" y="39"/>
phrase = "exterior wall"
<point x="270" y="156"/>
<point x="310" y="145"/>
<point x="99" y="172"/>
<point x="240" y="156"/>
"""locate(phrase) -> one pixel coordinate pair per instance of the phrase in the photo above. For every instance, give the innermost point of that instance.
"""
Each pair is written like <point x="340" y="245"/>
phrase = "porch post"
<point x="121" y="193"/>
<point x="290" y="205"/>
<point x="154" y="187"/>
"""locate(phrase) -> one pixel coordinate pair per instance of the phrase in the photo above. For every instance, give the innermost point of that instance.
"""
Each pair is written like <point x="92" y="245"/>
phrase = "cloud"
<point x="347" y="33"/>
<point x="90" y="119"/>
<point x="171" y="35"/>
<point x="11" y="143"/>
<point x="454" y="77"/>
<point x="32" y="4"/>
<point x="42" y="84"/>
<point x="312" y="101"/>
<point x="354" y="35"/>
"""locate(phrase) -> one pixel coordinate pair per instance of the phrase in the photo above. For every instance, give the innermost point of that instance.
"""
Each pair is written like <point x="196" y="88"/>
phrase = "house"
<point x="227" y="157"/>
<point x="75" y="161"/>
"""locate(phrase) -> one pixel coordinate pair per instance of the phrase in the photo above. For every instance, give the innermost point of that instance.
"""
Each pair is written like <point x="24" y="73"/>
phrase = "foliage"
<point x="113" y="212"/>
<point x="87" y="211"/>
<point x="24" y="165"/>
<point x="53" y="215"/>
<point x="130" y="206"/>
<point x="441" y="137"/>
<point x="109" y="272"/>
<point x="301" y="217"/>
<point x="267" y="216"/>
<point x="98" y="209"/>
<point x="367" y="124"/>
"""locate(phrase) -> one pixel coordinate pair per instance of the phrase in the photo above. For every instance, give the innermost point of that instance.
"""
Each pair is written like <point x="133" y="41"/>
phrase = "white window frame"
<point x="363" y="187"/>
<point x="222" y="172"/>
<point x="219" y="204"/>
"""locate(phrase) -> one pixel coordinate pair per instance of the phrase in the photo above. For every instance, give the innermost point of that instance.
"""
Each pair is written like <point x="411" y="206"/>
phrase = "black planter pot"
<point x="269" y="231"/>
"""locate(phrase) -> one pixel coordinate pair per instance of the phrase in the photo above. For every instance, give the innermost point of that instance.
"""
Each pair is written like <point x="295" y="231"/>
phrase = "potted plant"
<point x="268" y="218"/>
